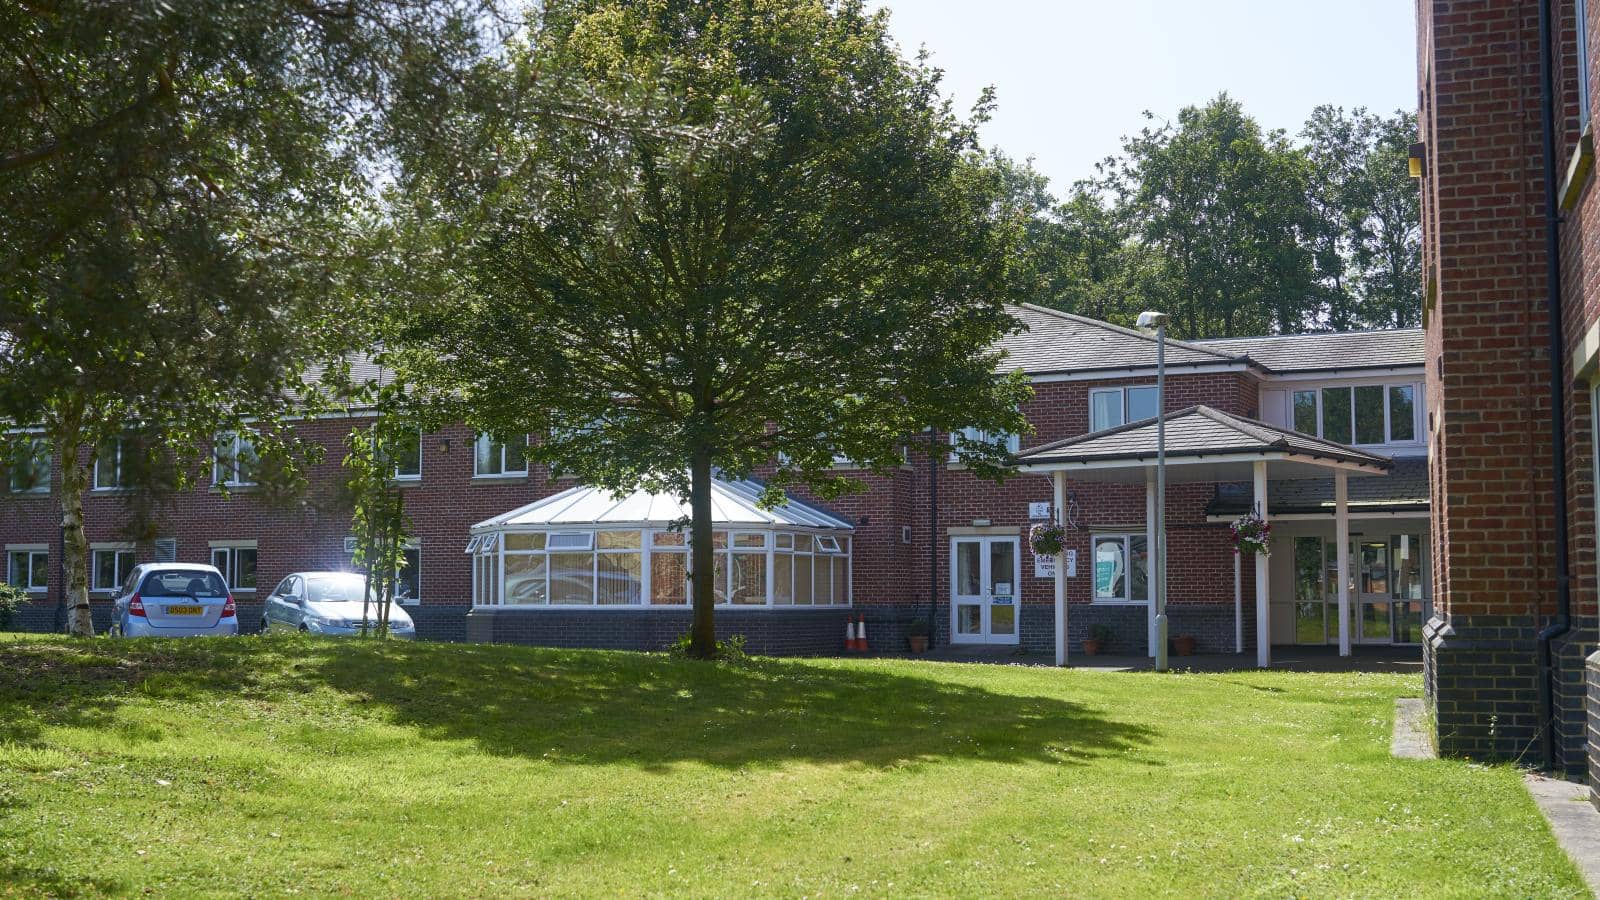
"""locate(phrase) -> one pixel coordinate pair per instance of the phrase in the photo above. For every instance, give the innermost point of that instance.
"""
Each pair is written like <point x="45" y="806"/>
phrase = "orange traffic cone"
<point x="861" y="635"/>
<point x="849" y="636"/>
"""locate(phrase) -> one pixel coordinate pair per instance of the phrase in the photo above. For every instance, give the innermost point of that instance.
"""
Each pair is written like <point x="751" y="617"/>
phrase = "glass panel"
<point x="571" y="578"/>
<point x="1141" y="403"/>
<point x="1003" y="618"/>
<point x="408" y="456"/>
<point x="1375" y="568"/>
<point x="719" y="577"/>
<point x="1405" y="553"/>
<point x="244" y="568"/>
<point x="1110" y="569"/>
<point x="515" y="454"/>
<point x="486" y="456"/>
<point x="1369" y="414"/>
<point x="1336" y="414"/>
<point x="618" y="540"/>
<point x="408" y="581"/>
<point x="570" y="540"/>
<point x="785" y="541"/>
<point x="749" y="539"/>
<point x="1305" y="412"/>
<point x="669" y="579"/>
<point x="619" y="577"/>
<point x="1407" y="621"/>
<point x="749" y="579"/>
<point x="1002" y="568"/>
<point x="667" y="539"/>
<point x="219" y="560"/>
<point x="823" y="581"/>
<point x="524" y="580"/>
<point x="17" y="570"/>
<point x="1139" y="549"/>
<point x="1310" y="614"/>
<point x="969" y="619"/>
<point x="1105" y="409"/>
<point x="107" y="464"/>
<point x="1310" y="622"/>
<point x="1402" y="413"/>
<point x="968" y="568"/>
<point x="782" y="579"/>
<point x="802" y="580"/>
<point x="841" y="579"/>
<point x="533" y="541"/>
<point x="719" y="539"/>
<point x="1375" y="622"/>
<point x="39" y="569"/>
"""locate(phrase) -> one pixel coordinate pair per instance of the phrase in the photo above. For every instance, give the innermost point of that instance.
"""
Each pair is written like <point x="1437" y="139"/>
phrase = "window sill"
<point x="490" y="479"/>
<point x="103" y="491"/>
<point x="1119" y="602"/>
<point x="235" y="488"/>
<point x="1579" y="169"/>
<point x="36" y="493"/>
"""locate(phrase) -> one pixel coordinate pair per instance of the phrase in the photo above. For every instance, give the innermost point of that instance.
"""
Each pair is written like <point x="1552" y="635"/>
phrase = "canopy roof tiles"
<point x="733" y="504"/>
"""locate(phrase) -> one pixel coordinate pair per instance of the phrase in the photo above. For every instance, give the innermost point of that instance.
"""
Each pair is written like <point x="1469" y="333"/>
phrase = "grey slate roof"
<point x="1060" y="343"/>
<point x="1194" y="432"/>
<point x="1404" y="489"/>
<point x="1328" y="351"/>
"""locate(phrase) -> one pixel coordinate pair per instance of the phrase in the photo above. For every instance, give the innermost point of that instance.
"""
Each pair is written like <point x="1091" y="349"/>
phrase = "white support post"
<point x="1238" y="606"/>
<point x="1341" y="535"/>
<point x="1263" y="624"/>
<point x="1060" y="482"/>
<point x="1152" y="554"/>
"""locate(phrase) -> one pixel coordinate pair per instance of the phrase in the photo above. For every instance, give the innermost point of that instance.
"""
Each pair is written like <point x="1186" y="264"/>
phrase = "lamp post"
<point x="1158" y="553"/>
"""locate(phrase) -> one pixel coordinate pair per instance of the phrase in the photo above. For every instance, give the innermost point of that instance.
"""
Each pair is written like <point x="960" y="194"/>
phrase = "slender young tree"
<point x="801" y="256"/>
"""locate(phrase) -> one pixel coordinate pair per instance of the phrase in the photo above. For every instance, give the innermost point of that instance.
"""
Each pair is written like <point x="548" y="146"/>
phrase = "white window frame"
<point x="1387" y="388"/>
<point x="1127" y="554"/>
<point x="230" y="550"/>
<point x="485" y="437"/>
<point x="38" y="461"/>
<point x="1013" y="441"/>
<point x="235" y="440"/>
<point x="119" y="548"/>
<point x="35" y="553"/>
<point x="398" y="475"/>
<point x="1122" y="392"/>
<point x="117" y="484"/>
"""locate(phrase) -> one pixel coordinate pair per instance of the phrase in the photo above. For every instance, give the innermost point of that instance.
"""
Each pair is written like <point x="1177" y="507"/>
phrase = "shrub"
<point x="917" y="627"/>
<point x="1101" y="633"/>
<point x="11" y="597"/>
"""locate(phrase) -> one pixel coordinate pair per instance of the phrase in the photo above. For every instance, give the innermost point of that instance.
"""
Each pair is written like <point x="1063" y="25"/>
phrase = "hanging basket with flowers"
<point x="1251" y="534"/>
<point x="1047" y="538"/>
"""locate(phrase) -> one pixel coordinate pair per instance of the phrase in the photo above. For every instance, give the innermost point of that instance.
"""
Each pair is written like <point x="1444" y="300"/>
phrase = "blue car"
<point x="174" y="600"/>
<point x="329" y="603"/>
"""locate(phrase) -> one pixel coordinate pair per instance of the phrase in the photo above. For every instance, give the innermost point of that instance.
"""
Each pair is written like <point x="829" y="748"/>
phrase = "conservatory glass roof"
<point x="732" y="503"/>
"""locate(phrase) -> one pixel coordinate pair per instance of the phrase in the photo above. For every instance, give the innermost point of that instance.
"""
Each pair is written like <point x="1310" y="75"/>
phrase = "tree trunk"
<point x="703" y="633"/>
<point x="74" y="478"/>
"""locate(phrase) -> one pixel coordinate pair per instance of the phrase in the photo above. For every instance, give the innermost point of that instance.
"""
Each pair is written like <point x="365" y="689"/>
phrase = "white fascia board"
<point x="1328" y="516"/>
<point x="1341" y="377"/>
<point x="1207" y="459"/>
<point x="1136" y="372"/>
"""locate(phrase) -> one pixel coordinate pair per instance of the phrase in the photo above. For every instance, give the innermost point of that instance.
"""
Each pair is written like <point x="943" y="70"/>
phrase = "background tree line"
<point x="1232" y="229"/>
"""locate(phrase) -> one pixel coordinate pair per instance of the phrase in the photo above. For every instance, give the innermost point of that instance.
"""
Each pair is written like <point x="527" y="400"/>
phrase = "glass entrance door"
<point x="1388" y="601"/>
<point x="984" y="581"/>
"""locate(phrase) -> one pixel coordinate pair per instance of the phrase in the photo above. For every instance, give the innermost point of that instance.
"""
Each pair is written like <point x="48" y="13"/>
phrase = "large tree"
<point x="800" y="255"/>
<point x="180" y="190"/>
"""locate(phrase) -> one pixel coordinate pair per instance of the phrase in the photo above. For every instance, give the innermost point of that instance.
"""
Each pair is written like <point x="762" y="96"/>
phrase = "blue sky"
<point x="1073" y="76"/>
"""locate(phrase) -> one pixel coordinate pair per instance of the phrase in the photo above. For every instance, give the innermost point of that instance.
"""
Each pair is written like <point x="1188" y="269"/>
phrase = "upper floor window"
<point x="406" y="452"/>
<point x="30" y="467"/>
<point x="498" y="456"/>
<point x="235" y="460"/>
<point x="108" y="465"/>
<point x="1013" y="442"/>
<point x="1110" y="407"/>
<point x="1363" y="414"/>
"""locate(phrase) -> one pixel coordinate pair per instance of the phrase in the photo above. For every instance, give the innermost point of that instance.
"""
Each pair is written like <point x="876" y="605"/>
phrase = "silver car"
<point x="328" y="603"/>
<point x="174" y="600"/>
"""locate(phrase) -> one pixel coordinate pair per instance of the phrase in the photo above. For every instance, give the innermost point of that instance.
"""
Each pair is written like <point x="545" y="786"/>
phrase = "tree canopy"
<point x="798" y="255"/>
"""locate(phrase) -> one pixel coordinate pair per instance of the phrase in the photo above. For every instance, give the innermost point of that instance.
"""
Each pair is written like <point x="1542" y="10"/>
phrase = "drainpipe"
<point x="933" y="536"/>
<point x="1562" y="623"/>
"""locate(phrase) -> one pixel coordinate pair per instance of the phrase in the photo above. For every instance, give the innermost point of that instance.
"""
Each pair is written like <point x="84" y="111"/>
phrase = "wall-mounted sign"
<point x="1039" y="510"/>
<point x="1045" y="566"/>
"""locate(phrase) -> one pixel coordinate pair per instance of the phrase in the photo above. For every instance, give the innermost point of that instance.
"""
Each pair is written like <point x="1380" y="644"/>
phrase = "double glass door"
<point x="986" y="577"/>
<point x="1388" y="599"/>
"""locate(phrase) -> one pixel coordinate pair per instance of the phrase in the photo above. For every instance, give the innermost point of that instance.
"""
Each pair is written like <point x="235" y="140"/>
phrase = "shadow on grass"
<point x="576" y="707"/>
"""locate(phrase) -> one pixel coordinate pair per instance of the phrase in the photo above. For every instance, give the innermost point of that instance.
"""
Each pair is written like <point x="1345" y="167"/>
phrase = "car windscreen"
<point x="335" y="590"/>
<point x="183" y="583"/>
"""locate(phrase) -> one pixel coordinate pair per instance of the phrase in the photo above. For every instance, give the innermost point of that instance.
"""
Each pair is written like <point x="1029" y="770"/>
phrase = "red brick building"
<point x="1510" y="313"/>
<point x="916" y="537"/>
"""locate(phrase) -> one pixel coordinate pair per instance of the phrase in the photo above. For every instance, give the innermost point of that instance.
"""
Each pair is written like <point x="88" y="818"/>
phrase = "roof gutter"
<point x="1562" y="623"/>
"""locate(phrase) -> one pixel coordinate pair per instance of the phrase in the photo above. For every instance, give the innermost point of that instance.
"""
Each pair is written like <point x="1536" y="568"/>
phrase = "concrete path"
<point x="1293" y="659"/>
<point x="1574" y="820"/>
<point x="1410" y="739"/>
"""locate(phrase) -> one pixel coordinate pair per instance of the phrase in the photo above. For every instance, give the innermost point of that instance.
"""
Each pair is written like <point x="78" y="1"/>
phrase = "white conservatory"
<point x="586" y="548"/>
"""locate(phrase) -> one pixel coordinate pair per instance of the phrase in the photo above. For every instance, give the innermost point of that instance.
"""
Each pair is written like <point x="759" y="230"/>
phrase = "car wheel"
<point x="114" y="630"/>
<point x="264" y="626"/>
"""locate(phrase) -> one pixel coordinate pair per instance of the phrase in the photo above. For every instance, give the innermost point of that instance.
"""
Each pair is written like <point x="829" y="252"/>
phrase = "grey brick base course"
<point x="1592" y="725"/>
<point x="796" y="632"/>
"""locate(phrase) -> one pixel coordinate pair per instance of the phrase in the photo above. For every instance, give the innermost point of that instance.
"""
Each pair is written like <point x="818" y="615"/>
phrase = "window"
<point x="30" y="467"/>
<point x="1121" y="568"/>
<point x="408" y="581"/>
<point x="235" y="460"/>
<point x="1110" y="407"/>
<point x="108" y="466"/>
<point x="1363" y="414"/>
<point x="1583" y="65"/>
<point x="109" y="566"/>
<point x="1013" y="442"/>
<point x="28" y="568"/>
<point x="407" y="456"/>
<point x="495" y="458"/>
<point x="237" y="563"/>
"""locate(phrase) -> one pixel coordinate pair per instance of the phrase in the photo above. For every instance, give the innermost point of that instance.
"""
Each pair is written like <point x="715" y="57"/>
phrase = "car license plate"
<point x="185" y="610"/>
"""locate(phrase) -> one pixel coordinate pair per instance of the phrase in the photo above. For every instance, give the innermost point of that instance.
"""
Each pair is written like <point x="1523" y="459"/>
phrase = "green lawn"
<point x="266" y="766"/>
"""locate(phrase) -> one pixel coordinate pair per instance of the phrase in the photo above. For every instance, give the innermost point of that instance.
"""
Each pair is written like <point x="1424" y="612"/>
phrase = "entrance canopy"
<point x="587" y="547"/>
<point x="1203" y="445"/>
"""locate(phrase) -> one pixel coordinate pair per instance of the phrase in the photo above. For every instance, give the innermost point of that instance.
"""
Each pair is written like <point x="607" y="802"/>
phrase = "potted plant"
<point x="917" y="635"/>
<point x="1184" y="644"/>
<point x="1099" y="636"/>
<point x="1251" y="534"/>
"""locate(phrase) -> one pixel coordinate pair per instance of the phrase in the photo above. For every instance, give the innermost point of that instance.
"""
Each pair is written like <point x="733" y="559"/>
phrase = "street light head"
<point x="1151" y="320"/>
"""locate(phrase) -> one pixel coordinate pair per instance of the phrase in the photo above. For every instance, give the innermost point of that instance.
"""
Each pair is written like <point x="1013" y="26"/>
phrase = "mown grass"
<point x="271" y="766"/>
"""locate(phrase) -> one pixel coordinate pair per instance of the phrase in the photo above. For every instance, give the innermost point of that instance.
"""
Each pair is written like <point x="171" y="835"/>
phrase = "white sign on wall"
<point x="1039" y="510"/>
<point x="1045" y="566"/>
